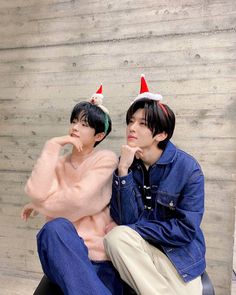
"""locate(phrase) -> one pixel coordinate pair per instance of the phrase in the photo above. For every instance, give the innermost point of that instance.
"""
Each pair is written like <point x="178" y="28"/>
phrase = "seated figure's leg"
<point x="145" y="268"/>
<point x="110" y="277"/>
<point x="64" y="259"/>
<point x="105" y="271"/>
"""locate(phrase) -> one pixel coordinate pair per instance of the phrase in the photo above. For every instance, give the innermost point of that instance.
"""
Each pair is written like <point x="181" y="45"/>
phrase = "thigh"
<point x="168" y="271"/>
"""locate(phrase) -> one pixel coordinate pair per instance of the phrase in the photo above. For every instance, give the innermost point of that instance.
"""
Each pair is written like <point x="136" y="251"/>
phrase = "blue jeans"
<point x="64" y="259"/>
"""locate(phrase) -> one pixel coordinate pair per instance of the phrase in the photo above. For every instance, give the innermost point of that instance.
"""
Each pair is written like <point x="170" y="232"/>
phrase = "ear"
<point x="160" y="136"/>
<point x="99" y="136"/>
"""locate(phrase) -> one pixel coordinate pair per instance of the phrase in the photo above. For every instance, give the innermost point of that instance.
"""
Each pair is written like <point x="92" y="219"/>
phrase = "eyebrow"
<point x="82" y="117"/>
<point x="143" y="120"/>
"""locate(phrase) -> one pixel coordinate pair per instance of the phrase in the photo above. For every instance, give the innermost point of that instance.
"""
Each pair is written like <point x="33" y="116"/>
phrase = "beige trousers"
<point x="145" y="268"/>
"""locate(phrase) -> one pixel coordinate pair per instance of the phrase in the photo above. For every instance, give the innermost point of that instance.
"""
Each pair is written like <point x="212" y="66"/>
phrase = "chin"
<point x="131" y="144"/>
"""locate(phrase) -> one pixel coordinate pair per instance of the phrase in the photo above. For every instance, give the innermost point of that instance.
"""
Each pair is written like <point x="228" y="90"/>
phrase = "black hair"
<point x="94" y="116"/>
<point x="159" y="118"/>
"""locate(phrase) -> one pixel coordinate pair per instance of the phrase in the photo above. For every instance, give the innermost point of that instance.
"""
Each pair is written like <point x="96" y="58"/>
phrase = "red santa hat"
<point x="98" y="93"/>
<point x="144" y="91"/>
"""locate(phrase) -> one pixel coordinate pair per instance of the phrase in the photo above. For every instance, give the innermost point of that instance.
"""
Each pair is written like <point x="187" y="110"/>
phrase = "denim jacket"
<point x="172" y="223"/>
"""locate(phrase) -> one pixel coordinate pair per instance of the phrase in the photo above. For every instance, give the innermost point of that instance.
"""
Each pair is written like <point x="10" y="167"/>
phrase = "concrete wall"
<point x="54" y="53"/>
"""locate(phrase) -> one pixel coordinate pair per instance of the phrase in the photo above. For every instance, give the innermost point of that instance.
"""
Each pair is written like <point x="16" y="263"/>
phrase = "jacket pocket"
<point x="165" y="204"/>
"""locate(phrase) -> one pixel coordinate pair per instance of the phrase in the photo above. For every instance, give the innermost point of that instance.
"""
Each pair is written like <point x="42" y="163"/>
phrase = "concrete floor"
<point x="233" y="289"/>
<point x="22" y="286"/>
<point x="17" y="285"/>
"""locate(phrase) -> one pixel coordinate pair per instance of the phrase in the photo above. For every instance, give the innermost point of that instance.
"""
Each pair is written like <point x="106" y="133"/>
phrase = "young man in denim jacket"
<point x="158" y="201"/>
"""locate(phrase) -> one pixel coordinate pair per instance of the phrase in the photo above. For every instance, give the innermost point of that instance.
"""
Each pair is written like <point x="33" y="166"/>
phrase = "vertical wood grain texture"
<point x="54" y="53"/>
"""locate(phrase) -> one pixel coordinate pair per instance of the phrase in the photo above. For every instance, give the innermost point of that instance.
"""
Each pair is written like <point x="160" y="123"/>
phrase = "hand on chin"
<point x="139" y="152"/>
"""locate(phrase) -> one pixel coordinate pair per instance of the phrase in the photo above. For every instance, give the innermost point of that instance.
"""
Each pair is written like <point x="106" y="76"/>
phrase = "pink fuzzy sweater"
<point x="81" y="195"/>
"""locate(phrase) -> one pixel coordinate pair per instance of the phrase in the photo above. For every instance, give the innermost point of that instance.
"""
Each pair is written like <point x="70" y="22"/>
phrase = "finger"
<point x="78" y="145"/>
<point x="80" y="148"/>
<point x="23" y="217"/>
<point x="35" y="213"/>
<point x="139" y="153"/>
<point x="138" y="149"/>
<point x="22" y="214"/>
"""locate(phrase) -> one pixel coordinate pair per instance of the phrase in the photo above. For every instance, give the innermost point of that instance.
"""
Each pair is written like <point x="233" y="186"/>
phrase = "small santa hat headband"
<point x="144" y="92"/>
<point x="97" y="99"/>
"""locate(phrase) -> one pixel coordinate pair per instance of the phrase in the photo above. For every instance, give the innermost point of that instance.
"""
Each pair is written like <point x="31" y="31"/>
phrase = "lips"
<point x="130" y="137"/>
<point x="74" y="135"/>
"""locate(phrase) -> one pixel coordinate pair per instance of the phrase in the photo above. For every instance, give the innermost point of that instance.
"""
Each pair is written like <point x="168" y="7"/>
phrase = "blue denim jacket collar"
<point x="168" y="155"/>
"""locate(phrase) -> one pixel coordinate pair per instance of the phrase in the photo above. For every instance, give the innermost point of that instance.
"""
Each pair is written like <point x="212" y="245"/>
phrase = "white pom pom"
<point x="96" y="99"/>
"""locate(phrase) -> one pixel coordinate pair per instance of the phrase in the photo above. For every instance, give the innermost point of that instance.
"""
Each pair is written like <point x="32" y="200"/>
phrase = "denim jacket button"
<point x="123" y="181"/>
<point x="171" y="203"/>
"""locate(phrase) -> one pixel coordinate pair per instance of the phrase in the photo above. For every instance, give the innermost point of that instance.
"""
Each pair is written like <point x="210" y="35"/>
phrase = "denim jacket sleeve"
<point x="124" y="206"/>
<point x="177" y="229"/>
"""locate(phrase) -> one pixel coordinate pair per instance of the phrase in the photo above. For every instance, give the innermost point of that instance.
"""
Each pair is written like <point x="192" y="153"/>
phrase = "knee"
<point x="58" y="234"/>
<point x="55" y="227"/>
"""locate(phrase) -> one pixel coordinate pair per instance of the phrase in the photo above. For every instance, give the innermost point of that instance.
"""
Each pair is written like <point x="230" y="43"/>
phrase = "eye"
<point x="131" y="121"/>
<point x="84" y="124"/>
<point x="143" y="123"/>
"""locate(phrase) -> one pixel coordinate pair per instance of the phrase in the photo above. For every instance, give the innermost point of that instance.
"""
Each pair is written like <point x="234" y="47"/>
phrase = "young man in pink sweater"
<point x="73" y="191"/>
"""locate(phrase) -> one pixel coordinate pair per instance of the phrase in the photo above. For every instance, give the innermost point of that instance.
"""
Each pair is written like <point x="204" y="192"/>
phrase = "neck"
<point x="78" y="156"/>
<point x="151" y="155"/>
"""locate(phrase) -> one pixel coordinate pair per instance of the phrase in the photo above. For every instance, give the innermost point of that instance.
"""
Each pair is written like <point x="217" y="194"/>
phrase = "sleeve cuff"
<point x="122" y="181"/>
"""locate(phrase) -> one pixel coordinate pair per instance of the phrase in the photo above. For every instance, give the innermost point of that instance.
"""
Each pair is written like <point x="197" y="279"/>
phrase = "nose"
<point x="75" y="127"/>
<point x="132" y="126"/>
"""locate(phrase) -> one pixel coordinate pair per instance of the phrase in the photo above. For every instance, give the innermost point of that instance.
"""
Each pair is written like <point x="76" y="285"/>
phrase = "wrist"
<point x="52" y="146"/>
<point x="59" y="140"/>
<point x="122" y="171"/>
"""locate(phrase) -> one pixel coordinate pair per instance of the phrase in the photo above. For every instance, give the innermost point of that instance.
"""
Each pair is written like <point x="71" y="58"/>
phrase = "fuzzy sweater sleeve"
<point x="88" y="195"/>
<point x="43" y="179"/>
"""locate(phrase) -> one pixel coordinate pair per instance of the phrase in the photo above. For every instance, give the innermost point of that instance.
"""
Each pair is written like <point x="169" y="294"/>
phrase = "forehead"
<point x="82" y="115"/>
<point x="139" y="114"/>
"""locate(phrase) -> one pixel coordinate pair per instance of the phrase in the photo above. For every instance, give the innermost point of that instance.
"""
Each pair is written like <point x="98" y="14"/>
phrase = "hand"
<point x="126" y="159"/>
<point x="27" y="211"/>
<point x="68" y="139"/>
